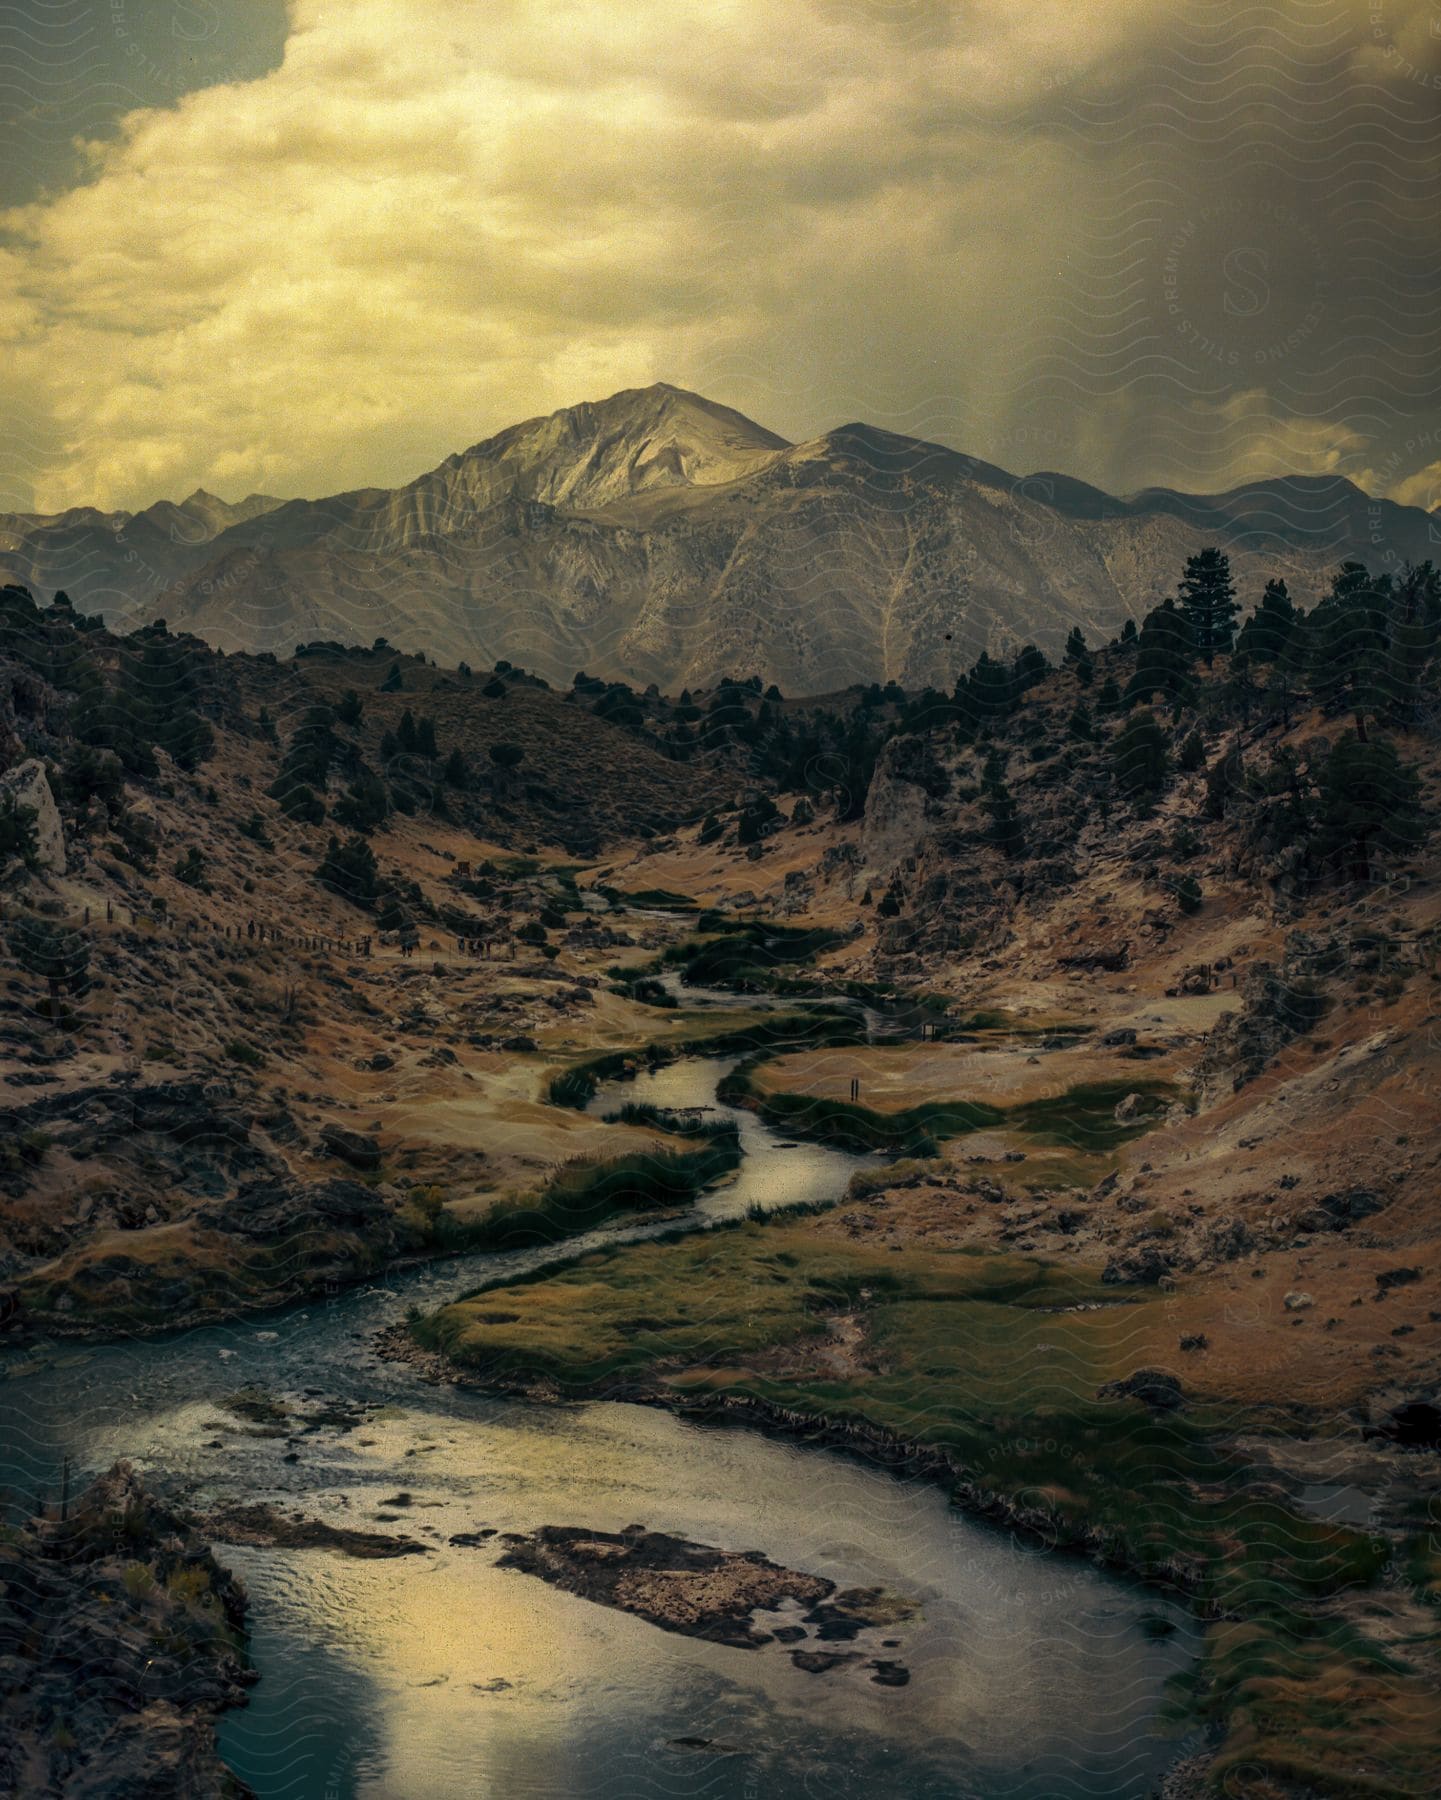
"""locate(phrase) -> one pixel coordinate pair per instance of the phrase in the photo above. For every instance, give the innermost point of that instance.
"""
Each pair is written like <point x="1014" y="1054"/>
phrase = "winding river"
<point x="426" y="1677"/>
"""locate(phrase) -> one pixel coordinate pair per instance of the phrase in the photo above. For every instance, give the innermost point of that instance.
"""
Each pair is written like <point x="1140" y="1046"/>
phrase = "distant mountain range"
<point x="657" y="536"/>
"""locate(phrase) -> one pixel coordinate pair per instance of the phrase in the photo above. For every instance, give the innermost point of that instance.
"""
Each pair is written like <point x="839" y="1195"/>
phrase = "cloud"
<point x="433" y="219"/>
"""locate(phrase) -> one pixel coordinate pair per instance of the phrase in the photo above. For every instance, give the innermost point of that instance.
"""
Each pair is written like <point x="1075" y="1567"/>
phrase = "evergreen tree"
<point x="1029" y="667"/>
<point x="1139" y="759"/>
<point x="394" y="681"/>
<point x="1164" y="655"/>
<point x="1348" y="644"/>
<point x="348" y="708"/>
<point x="1078" y="657"/>
<point x="191" y="870"/>
<point x="457" y="770"/>
<point x="350" y="870"/>
<point x="985" y="697"/>
<point x="1208" y="599"/>
<point x="365" y="803"/>
<point x="1192" y="753"/>
<point x="1368" y="798"/>
<point x="17" y="831"/>
<point x="1268" y="631"/>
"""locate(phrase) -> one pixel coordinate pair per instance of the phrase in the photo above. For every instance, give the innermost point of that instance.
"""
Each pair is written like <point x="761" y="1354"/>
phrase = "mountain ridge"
<point x="657" y="535"/>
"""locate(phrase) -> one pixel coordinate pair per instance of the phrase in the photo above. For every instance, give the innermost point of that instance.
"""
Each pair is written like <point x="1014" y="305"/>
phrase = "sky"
<point x="302" y="247"/>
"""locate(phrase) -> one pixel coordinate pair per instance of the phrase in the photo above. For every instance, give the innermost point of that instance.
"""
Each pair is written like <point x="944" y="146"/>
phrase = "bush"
<point x="350" y="870"/>
<point x="191" y="870"/>
<point x="1188" y="894"/>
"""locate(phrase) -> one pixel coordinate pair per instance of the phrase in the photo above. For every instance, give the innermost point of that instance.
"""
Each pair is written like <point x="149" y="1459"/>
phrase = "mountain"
<point x="112" y="562"/>
<point x="658" y="536"/>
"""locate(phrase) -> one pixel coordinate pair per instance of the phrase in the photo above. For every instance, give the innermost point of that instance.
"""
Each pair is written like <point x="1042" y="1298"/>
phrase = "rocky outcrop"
<point x="898" y="805"/>
<point x="1277" y="1005"/>
<point x="121" y="1638"/>
<point x="27" y="786"/>
<point x="275" y="1209"/>
<point x="352" y="1147"/>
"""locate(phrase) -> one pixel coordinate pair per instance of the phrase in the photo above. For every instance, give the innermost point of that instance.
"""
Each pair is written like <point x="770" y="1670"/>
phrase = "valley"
<point x="974" y="1146"/>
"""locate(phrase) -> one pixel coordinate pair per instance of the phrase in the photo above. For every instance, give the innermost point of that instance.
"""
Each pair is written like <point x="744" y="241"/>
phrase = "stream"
<point x="1033" y="1676"/>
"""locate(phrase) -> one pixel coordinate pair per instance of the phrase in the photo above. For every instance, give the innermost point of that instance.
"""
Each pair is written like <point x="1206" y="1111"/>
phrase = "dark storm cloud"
<point x="1137" y="242"/>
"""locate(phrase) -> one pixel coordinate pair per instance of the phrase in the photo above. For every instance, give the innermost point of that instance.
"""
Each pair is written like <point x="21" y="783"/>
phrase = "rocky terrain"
<point x="121" y="1638"/>
<point x="1145" y="1259"/>
<point x="659" y="537"/>
<point x="717" y="1594"/>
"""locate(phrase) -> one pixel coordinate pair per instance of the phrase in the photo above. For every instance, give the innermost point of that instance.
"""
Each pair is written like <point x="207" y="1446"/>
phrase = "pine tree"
<point x="1267" y="632"/>
<point x="1078" y="657"/>
<point x="350" y="870"/>
<point x="1165" y="652"/>
<point x="1368" y="797"/>
<point x="1139" y="759"/>
<point x="1208" y="599"/>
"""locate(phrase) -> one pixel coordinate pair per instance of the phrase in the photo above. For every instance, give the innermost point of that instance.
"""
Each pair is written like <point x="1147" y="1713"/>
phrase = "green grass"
<point x="1082" y="1119"/>
<point x="653" y="899"/>
<point x="587" y="1193"/>
<point x="746" y="954"/>
<point x="973" y="1358"/>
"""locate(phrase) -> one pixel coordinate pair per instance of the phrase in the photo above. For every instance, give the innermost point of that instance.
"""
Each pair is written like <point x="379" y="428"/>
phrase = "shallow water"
<point x="440" y="1675"/>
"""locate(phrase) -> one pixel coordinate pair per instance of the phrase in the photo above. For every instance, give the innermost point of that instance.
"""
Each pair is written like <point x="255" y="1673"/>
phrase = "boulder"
<point x="1144" y="1266"/>
<point x="353" y="1147"/>
<point x="274" y="1209"/>
<point x="1152" y="1387"/>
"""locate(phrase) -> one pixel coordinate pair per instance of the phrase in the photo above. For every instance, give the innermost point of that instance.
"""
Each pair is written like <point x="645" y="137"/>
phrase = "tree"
<point x="986" y="695"/>
<point x="1267" y="632"/>
<point x="191" y="870"/>
<point x="1078" y="657"/>
<point x="365" y="804"/>
<point x="1139" y="759"/>
<point x="1164" y="654"/>
<point x="394" y="681"/>
<point x="757" y="817"/>
<point x="1348" y="644"/>
<point x="507" y="756"/>
<point x="348" y="708"/>
<point x="302" y="804"/>
<point x="425" y="742"/>
<point x="1192" y="754"/>
<point x="17" y="831"/>
<point x="350" y="870"/>
<point x="89" y="774"/>
<point x="457" y="770"/>
<point x="1029" y="667"/>
<point x="1080" y="724"/>
<point x="1208" y="599"/>
<point x="1368" y="797"/>
<point x="60" y="957"/>
<point x="1188" y="894"/>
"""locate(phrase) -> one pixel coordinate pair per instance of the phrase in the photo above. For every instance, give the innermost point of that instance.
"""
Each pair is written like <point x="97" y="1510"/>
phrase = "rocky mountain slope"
<point x="658" y="537"/>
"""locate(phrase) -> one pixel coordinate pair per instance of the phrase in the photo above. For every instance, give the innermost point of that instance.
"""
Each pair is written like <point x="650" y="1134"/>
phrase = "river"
<point x="1034" y="1677"/>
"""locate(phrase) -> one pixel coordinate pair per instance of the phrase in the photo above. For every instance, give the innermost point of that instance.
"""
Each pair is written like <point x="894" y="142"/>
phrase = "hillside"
<point x="659" y="537"/>
<point x="307" y="985"/>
